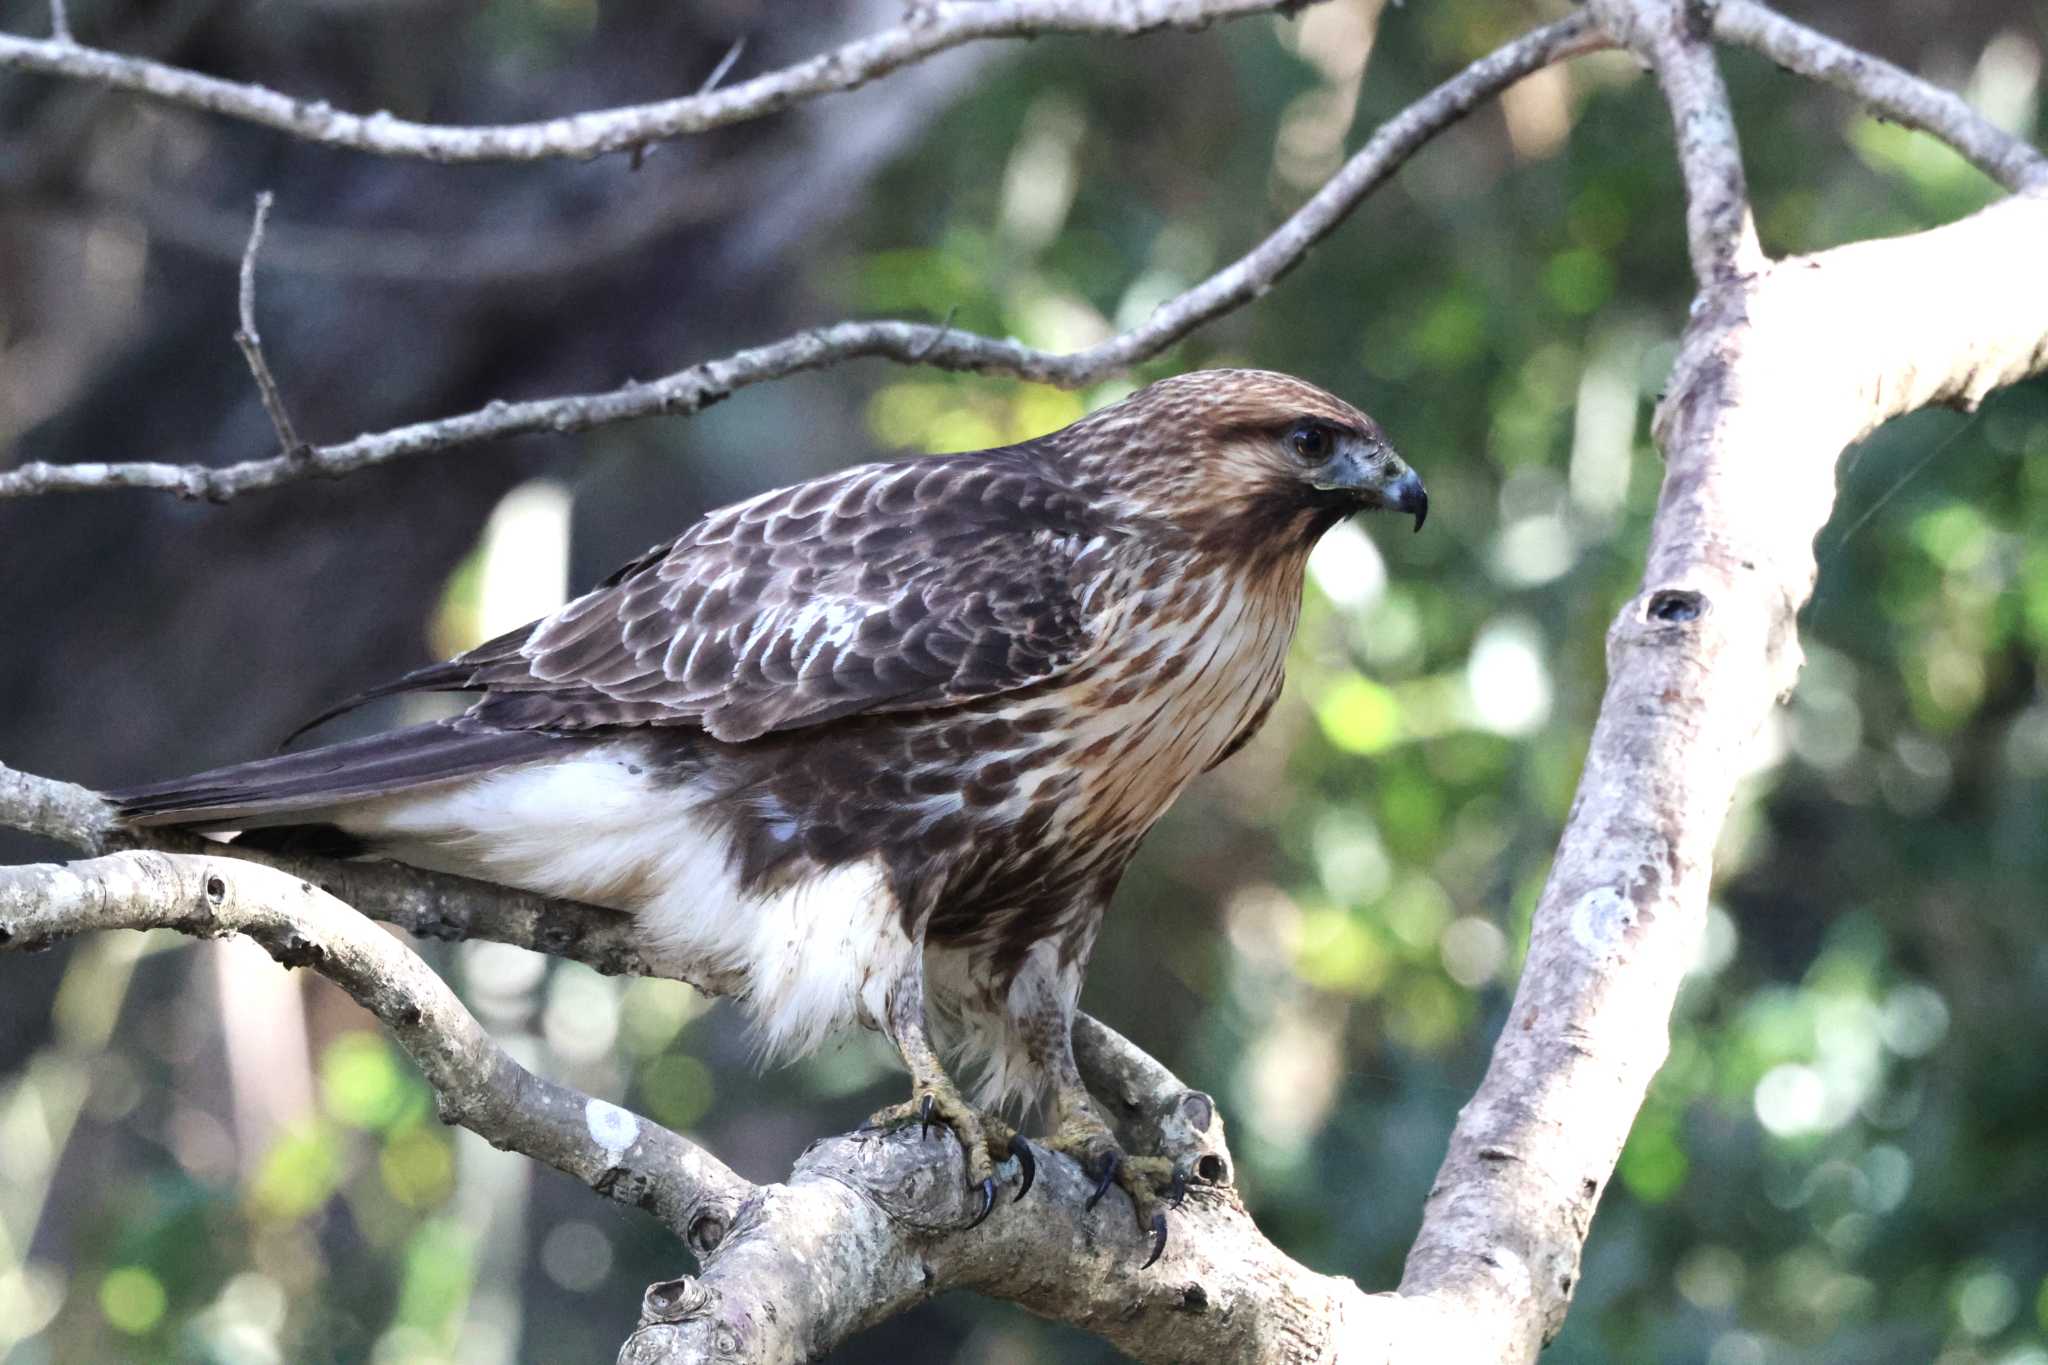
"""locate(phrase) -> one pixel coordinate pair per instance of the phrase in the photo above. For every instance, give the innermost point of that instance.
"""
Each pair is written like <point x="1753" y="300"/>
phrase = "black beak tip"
<point x="1410" y="496"/>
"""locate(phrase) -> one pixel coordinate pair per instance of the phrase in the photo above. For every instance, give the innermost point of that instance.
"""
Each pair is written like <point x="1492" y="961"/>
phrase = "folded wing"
<point x="886" y="587"/>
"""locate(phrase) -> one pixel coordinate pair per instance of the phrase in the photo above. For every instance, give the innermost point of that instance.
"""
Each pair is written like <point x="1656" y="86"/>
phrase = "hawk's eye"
<point x="1311" y="441"/>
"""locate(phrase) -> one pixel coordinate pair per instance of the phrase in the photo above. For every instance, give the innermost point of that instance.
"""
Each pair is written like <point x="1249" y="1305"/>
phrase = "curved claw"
<point x="1158" y="1241"/>
<point x="1177" y="1189"/>
<point x="988" y="1201"/>
<point x="1105" y="1180"/>
<point x="924" y="1123"/>
<point x="1026" y="1163"/>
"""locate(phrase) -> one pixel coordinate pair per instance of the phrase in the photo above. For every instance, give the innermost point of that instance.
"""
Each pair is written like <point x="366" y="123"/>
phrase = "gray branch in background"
<point x="251" y="341"/>
<point x="929" y="29"/>
<point x="1888" y="90"/>
<point x="476" y="1083"/>
<point x="1720" y="233"/>
<point x="1722" y="241"/>
<point x="697" y="387"/>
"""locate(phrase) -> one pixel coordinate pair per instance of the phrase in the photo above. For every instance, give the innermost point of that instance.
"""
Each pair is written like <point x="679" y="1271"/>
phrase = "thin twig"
<point x="1895" y="93"/>
<point x="941" y="27"/>
<point x="944" y="347"/>
<point x="1720" y="230"/>
<point x="60" y="22"/>
<point x="251" y="341"/>
<point x="476" y="1083"/>
<point x="725" y="65"/>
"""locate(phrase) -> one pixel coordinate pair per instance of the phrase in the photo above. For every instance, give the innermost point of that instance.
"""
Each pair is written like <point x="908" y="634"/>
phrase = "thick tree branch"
<point x="697" y="387"/>
<point x="1142" y="1097"/>
<point x="886" y="1204"/>
<point x="1773" y="381"/>
<point x="1782" y="367"/>
<point x="928" y="30"/>
<point x="1896" y="94"/>
<point x="476" y="1083"/>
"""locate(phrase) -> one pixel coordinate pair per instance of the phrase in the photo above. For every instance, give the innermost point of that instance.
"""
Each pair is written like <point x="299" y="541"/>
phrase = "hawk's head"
<point x="1245" y="459"/>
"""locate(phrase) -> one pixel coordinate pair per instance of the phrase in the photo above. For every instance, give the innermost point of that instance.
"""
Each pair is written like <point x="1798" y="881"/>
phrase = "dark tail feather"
<point x="280" y="790"/>
<point x="446" y="677"/>
<point x="455" y="675"/>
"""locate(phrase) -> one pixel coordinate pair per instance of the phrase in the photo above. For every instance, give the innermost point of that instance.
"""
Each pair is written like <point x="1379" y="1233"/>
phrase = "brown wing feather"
<point x="886" y="587"/>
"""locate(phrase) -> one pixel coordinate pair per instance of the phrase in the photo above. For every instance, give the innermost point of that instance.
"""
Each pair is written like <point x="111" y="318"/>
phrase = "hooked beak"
<point x="1377" y="477"/>
<point x="1408" y="495"/>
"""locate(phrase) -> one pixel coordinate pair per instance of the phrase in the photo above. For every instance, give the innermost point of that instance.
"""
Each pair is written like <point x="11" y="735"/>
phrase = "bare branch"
<point x="1771" y="384"/>
<point x="1891" y="91"/>
<point x="1720" y="232"/>
<point x="699" y="386"/>
<point x="476" y="1083"/>
<point x="60" y="23"/>
<point x="932" y="30"/>
<point x="1141" y="1093"/>
<point x="251" y="341"/>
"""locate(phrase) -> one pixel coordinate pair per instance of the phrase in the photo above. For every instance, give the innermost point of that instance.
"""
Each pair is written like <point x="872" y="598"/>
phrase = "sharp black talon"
<point x="1177" y="1189"/>
<point x="1108" y="1178"/>
<point x="1158" y="1241"/>
<point x="988" y="1201"/>
<point x="1026" y="1163"/>
<point x="924" y="1126"/>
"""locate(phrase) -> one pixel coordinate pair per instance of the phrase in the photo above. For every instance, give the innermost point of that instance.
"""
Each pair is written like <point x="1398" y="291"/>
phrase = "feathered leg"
<point x="934" y="1098"/>
<point x="1044" y="1015"/>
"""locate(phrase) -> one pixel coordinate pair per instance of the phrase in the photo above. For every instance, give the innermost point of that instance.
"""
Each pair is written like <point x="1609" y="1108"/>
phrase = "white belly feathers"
<point x="810" y="956"/>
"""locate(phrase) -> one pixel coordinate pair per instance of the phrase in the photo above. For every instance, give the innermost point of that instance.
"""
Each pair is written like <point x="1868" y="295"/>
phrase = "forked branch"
<point x="1895" y="93"/>
<point x="476" y="1083"/>
<point x="698" y="386"/>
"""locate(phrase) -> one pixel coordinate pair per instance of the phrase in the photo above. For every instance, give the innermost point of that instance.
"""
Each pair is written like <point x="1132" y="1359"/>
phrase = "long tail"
<point x="286" y="789"/>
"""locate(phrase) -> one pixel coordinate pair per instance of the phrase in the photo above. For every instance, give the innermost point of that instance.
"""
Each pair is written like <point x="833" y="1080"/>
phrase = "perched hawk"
<point x="876" y="748"/>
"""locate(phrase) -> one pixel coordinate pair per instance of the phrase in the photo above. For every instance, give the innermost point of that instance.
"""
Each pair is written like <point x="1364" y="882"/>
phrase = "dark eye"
<point x="1310" y="441"/>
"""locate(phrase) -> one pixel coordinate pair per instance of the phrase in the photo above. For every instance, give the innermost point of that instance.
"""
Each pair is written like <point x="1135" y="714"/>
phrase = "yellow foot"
<point x="985" y="1138"/>
<point x="1153" y="1182"/>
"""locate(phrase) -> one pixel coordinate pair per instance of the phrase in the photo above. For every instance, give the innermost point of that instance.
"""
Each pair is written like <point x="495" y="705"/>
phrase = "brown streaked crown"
<point x="1207" y="452"/>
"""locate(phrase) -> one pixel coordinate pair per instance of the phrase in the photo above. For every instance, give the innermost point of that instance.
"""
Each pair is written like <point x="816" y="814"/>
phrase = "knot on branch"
<point x="1676" y="605"/>
<point x="675" y="1300"/>
<point x="292" y="949"/>
<point x="668" y="1306"/>
<point x="707" y="1230"/>
<point x="1190" y="1133"/>
<point x="919" y="1180"/>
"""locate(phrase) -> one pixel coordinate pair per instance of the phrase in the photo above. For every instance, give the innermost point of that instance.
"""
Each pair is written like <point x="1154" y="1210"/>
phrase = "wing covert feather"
<point x="887" y="587"/>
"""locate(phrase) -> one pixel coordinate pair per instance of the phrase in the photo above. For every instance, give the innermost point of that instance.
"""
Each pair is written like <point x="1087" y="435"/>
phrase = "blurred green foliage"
<point x="1842" y="1160"/>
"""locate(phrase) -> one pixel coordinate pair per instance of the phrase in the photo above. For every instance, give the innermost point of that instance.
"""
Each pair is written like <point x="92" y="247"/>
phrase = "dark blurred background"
<point x="204" y="1159"/>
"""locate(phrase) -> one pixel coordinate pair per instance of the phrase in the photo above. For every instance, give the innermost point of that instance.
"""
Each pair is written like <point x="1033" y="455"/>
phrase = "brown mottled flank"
<point x="987" y="673"/>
